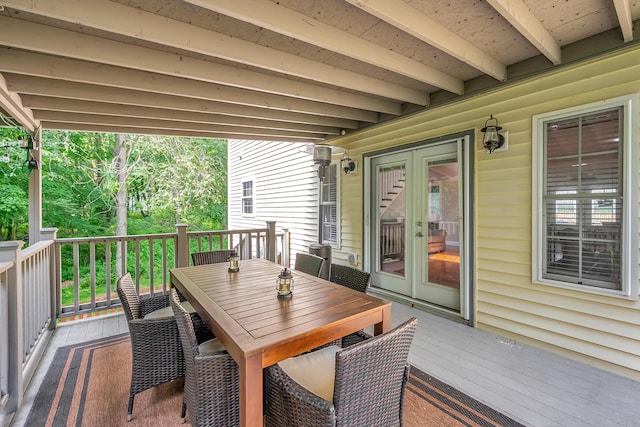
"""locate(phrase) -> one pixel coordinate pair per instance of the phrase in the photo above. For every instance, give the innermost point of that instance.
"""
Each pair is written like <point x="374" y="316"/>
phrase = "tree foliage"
<point x="170" y="180"/>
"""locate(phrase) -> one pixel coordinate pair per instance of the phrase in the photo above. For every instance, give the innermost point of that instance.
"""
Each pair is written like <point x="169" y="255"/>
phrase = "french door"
<point x="416" y="224"/>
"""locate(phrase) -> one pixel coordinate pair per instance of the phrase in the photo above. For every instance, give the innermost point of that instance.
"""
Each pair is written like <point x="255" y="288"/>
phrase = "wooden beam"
<point x="138" y="24"/>
<point x="33" y="64"/>
<point x="178" y="104"/>
<point x="42" y="103"/>
<point x="54" y="41"/>
<point x="12" y="104"/>
<point x="44" y="86"/>
<point x="81" y="127"/>
<point x="118" y="121"/>
<point x="403" y="16"/>
<point x="623" y="10"/>
<point x="518" y="14"/>
<point x="278" y="18"/>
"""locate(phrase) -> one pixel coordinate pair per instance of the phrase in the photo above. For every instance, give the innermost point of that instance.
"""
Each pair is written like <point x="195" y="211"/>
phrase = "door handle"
<point x="419" y="234"/>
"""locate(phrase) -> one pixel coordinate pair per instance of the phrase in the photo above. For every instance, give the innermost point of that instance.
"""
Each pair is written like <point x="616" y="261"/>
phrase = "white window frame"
<point x="253" y="197"/>
<point x="334" y="165"/>
<point x="629" y="244"/>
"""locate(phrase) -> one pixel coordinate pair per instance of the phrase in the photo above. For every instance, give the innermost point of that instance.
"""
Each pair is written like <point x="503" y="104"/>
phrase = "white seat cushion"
<point x="314" y="371"/>
<point x="168" y="311"/>
<point x="211" y="346"/>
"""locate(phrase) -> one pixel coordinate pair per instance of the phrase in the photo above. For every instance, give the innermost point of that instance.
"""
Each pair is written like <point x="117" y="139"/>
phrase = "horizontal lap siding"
<point x="596" y="329"/>
<point x="285" y="189"/>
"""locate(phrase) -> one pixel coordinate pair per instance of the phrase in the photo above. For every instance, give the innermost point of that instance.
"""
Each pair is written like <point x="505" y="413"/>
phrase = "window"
<point x="247" y="198"/>
<point x="329" y="203"/>
<point x="585" y="197"/>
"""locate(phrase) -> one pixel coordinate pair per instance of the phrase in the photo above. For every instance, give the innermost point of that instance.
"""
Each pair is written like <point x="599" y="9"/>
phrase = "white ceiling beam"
<point x="39" y="65"/>
<point x="401" y="15"/>
<point x="40" y="86"/>
<point x="85" y="92"/>
<point x="623" y="10"/>
<point x="37" y="103"/>
<point x="55" y="41"/>
<point x="99" y="119"/>
<point x="179" y="104"/>
<point x="132" y="22"/>
<point x="518" y="14"/>
<point x="12" y="104"/>
<point x="278" y="18"/>
<point x="83" y="127"/>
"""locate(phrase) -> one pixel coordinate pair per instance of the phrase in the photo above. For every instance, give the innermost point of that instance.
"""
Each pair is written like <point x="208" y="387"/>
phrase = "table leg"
<point x="251" y="392"/>
<point x="385" y="325"/>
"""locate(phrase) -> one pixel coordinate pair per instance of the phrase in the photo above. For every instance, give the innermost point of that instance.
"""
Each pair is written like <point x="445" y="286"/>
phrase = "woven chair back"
<point x="309" y="263"/>
<point x="211" y="257"/>
<point x="349" y="277"/>
<point x="129" y="297"/>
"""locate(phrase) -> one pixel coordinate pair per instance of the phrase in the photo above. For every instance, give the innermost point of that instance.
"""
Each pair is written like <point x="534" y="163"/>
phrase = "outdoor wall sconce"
<point x="234" y="263"/>
<point x="348" y="165"/>
<point x="26" y="144"/>
<point x="284" y="284"/>
<point x="492" y="139"/>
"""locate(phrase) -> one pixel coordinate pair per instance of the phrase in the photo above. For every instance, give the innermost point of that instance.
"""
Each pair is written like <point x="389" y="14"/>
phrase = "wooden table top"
<point x="246" y="315"/>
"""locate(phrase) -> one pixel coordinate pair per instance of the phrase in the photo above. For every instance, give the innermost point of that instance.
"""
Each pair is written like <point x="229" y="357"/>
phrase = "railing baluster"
<point x="152" y="286"/>
<point x="92" y="273"/>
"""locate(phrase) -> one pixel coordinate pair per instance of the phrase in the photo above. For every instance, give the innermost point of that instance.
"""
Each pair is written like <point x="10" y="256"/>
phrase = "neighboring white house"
<point x="278" y="181"/>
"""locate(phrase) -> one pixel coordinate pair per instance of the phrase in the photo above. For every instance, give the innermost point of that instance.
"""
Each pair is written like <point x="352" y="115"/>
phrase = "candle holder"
<point x="284" y="284"/>
<point x="234" y="263"/>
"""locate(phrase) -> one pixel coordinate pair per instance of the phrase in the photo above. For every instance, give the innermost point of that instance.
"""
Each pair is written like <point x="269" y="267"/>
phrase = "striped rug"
<point x="88" y="385"/>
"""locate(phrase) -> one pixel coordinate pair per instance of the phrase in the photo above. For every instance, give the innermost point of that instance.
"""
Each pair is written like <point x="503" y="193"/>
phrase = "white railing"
<point x="32" y="286"/>
<point x="92" y="276"/>
<point x="4" y="333"/>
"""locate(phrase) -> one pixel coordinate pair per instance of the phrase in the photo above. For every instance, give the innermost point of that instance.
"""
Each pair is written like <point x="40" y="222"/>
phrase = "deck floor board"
<point x="533" y="386"/>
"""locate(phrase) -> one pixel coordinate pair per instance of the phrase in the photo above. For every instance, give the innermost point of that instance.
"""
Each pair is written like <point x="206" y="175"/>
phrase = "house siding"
<point x="285" y="189"/>
<point x="600" y="330"/>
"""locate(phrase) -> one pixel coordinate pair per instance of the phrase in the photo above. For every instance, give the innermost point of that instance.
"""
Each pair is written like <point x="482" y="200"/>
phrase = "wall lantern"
<point x="492" y="139"/>
<point x="26" y="144"/>
<point x="322" y="158"/>
<point x="348" y="166"/>
<point x="284" y="284"/>
<point x="234" y="263"/>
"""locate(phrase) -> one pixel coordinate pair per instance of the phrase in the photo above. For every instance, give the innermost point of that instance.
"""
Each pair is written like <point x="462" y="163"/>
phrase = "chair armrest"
<point x="152" y="337"/>
<point x="153" y="303"/>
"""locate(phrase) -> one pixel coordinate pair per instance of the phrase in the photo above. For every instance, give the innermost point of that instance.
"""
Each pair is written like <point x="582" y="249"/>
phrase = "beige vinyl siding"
<point x="600" y="330"/>
<point x="285" y="188"/>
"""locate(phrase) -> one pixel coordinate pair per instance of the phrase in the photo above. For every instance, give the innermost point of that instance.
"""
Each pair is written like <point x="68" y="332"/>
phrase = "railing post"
<point x="11" y="252"/>
<point x="54" y="274"/>
<point x="271" y="240"/>
<point x="286" y="249"/>
<point x="182" y="246"/>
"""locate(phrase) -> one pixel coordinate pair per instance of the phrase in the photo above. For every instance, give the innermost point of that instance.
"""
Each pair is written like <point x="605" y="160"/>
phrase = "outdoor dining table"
<point x="258" y="329"/>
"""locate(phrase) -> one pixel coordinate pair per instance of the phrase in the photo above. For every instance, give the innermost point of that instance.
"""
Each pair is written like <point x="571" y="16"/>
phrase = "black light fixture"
<point x="347" y="164"/>
<point x="492" y="139"/>
<point x="21" y="142"/>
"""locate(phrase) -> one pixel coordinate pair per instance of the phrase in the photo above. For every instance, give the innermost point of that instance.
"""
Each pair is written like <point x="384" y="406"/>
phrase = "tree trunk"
<point x="120" y="156"/>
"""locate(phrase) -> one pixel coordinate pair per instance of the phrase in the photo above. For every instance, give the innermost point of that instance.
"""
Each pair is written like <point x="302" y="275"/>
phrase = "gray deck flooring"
<point x="534" y="387"/>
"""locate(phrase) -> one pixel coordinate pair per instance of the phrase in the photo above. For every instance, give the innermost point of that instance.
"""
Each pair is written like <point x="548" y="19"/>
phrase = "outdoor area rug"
<point x="88" y="385"/>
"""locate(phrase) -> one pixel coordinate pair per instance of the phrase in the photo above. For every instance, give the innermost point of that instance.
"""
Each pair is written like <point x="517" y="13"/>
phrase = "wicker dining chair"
<point x="369" y="384"/>
<point x="211" y="385"/>
<point x="309" y="263"/>
<point x="349" y="277"/>
<point x="354" y="279"/>
<point x="211" y="257"/>
<point x="155" y="344"/>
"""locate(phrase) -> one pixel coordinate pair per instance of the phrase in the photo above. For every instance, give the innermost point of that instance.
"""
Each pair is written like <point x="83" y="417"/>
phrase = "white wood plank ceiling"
<point x="288" y="70"/>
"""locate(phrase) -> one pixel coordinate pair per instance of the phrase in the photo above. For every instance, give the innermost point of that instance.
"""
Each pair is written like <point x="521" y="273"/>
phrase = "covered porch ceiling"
<point x="286" y="70"/>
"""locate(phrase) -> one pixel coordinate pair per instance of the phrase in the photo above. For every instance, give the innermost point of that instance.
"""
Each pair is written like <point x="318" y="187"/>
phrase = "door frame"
<point x="467" y="278"/>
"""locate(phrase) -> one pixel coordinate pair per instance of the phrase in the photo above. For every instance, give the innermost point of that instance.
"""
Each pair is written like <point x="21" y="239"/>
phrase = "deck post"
<point x="54" y="275"/>
<point x="35" y="188"/>
<point x="271" y="241"/>
<point x="182" y="246"/>
<point x="12" y="252"/>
